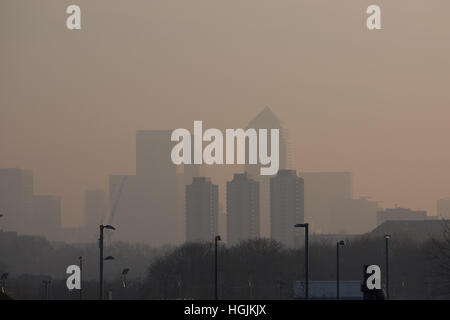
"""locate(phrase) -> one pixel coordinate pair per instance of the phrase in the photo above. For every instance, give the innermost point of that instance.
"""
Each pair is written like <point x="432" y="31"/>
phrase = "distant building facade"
<point x="202" y="210"/>
<point x="266" y="119"/>
<point x="414" y="230"/>
<point x="286" y="206"/>
<point x="16" y="199"/>
<point x="47" y="216"/>
<point x="94" y="208"/>
<point x="398" y="214"/>
<point x="149" y="203"/>
<point x="242" y="209"/>
<point x="327" y="194"/>
<point x="443" y="208"/>
<point x="354" y="216"/>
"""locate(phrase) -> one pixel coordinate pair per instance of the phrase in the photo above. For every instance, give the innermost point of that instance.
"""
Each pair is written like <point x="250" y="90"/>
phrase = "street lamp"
<point x="46" y="288"/>
<point x="338" y="244"/>
<point x="306" y="226"/>
<point x="386" y="239"/>
<point x="124" y="277"/>
<point x="102" y="227"/>
<point x="216" y="240"/>
<point x="80" y="258"/>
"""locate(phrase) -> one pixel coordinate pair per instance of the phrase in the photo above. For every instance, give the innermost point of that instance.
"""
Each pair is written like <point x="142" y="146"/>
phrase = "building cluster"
<point x="163" y="204"/>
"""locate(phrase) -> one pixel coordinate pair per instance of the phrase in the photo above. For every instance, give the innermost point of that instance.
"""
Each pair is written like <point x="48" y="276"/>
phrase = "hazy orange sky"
<point x="376" y="103"/>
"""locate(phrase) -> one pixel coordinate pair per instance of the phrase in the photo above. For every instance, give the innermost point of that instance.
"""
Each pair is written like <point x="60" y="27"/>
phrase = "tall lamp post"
<point x="102" y="227"/>
<point x="386" y="240"/>
<point x="306" y="226"/>
<point x="338" y="244"/>
<point x="80" y="258"/>
<point x="216" y="240"/>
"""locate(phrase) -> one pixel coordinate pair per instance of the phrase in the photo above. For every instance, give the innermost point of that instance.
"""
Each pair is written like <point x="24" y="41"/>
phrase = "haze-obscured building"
<point x="202" y="210"/>
<point x="242" y="209"/>
<point x="327" y="196"/>
<point x="412" y="230"/>
<point x="443" y="208"/>
<point x="16" y="199"/>
<point x="266" y="119"/>
<point x="46" y="220"/>
<point x="94" y="208"/>
<point x="286" y="206"/>
<point x="406" y="214"/>
<point x="355" y="216"/>
<point x="149" y="204"/>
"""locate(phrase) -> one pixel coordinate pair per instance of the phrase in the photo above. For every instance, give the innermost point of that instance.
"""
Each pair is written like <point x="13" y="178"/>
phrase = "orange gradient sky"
<point x="376" y="103"/>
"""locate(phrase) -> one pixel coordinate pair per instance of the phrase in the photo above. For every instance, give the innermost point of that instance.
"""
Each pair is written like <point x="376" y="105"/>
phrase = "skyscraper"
<point x="153" y="160"/>
<point x="242" y="209"/>
<point x="149" y="206"/>
<point x="94" y="208"/>
<point x="326" y="196"/>
<point x="286" y="206"/>
<point x="266" y="119"/>
<point x="202" y="209"/>
<point x="47" y="216"/>
<point x="16" y="199"/>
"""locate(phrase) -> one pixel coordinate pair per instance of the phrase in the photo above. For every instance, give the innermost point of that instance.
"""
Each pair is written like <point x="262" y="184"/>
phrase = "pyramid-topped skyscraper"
<point x="266" y="119"/>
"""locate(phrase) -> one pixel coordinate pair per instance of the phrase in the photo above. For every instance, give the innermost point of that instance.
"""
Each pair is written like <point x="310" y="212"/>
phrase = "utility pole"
<point x="100" y="297"/>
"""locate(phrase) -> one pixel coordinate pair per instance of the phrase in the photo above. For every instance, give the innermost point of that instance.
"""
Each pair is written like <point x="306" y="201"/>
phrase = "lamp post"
<point x="386" y="240"/>
<point x="216" y="240"/>
<point x="80" y="258"/>
<point x="306" y="226"/>
<point x="102" y="227"/>
<point x="338" y="244"/>
<point x="124" y="277"/>
<point x="46" y="288"/>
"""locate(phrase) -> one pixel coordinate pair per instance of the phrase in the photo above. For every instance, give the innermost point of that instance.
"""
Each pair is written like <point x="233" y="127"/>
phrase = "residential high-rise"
<point x="202" y="210"/>
<point x="266" y="119"/>
<point x="16" y="199"/>
<point x="242" y="209"/>
<point x="286" y="206"/>
<point x="46" y="219"/>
